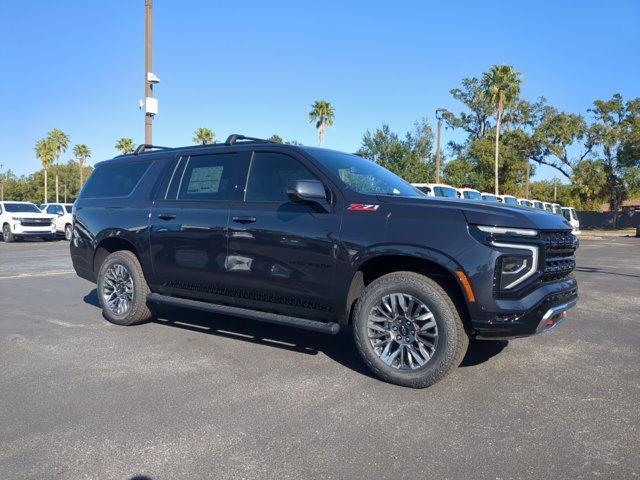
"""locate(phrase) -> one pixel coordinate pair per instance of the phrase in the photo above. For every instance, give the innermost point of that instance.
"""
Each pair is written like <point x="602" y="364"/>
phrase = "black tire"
<point x="68" y="232"/>
<point x="452" y="339"/>
<point x="7" y="236"/>
<point x="138" y="311"/>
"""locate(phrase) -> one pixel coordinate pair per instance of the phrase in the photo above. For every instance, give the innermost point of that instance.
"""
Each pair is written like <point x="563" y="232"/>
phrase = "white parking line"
<point x="49" y="273"/>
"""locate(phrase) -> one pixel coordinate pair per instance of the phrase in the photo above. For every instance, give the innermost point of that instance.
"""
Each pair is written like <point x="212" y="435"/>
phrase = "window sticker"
<point x="205" y="180"/>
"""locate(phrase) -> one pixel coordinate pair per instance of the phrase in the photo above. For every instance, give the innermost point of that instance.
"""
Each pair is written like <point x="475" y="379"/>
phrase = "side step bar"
<point x="278" y="319"/>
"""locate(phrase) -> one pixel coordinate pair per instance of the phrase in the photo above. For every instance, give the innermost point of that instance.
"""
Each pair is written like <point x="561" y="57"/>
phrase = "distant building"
<point x="627" y="206"/>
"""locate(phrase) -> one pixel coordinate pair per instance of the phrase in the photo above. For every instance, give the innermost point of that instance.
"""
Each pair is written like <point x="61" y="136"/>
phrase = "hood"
<point x="479" y="213"/>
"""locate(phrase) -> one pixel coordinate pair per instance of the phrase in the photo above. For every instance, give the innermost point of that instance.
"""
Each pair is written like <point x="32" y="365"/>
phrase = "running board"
<point x="278" y="319"/>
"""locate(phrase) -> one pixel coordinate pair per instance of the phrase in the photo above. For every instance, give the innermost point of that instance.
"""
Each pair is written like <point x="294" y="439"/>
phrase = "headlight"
<point x="519" y="262"/>
<point x="524" y="232"/>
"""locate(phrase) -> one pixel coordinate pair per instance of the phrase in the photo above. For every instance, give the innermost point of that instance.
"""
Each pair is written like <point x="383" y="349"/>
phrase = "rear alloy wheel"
<point x="7" y="236"/>
<point x="68" y="231"/>
<point x="123" y="290"/>
<point x="408" y="331"/>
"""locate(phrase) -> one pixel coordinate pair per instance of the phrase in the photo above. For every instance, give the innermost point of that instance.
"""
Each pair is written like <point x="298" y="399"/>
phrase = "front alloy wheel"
<point x="402" y="331"/>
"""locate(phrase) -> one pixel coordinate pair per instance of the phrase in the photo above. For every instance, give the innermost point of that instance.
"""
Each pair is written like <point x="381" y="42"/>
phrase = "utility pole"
<point x="148" y="86"/>
<point x="555" y="189"/>
<point x="65" y="193"/>
<point x="1" y="183"/>
<point x="439" y="113"/>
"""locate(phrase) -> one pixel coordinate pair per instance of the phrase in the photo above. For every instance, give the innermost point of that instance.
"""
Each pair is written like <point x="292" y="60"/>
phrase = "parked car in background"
<point x="572" y="217"/>
<point x="424" y="188"/>
<point x="63" y="216"/>
<point x="509" y="200"/>
<point x="547" y="207"/>
<point x="24" y="219"/>
<point x="443" y="190"/>
<point x="537" y="204"/>
<point x="557" y="208"/>
<point x="469" y="193"/>
<point x="489" y="197"/>
<point x="525" y="202"/>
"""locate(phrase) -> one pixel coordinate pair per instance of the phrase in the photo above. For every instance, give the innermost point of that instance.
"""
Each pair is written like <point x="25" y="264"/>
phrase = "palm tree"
<point x="203" y="136"/>
<point x="502" y="85"/>
<point x="81" y="152"/>
<point x="125" y="145"/>
<point x="322" y="113"/>
<point x="45" y="151"/>
<point x="60" y="141"/>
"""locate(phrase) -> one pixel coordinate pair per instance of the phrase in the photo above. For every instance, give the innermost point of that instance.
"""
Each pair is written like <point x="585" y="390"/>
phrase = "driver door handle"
<point x="166" y="216"/>
<point x="244" y="219"/>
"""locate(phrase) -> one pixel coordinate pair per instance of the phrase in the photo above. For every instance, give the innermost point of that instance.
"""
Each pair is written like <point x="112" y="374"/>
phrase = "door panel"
<point x="281" y="253"/>
<point x="188" y="234"/>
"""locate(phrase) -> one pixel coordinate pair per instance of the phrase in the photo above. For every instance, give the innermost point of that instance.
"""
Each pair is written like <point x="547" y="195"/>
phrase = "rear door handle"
<point x="166" y="216"/>
<point x="244" y="219"/>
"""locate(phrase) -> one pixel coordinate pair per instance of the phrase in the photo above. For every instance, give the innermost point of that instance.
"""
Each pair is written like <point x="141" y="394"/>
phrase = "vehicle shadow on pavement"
<point x="597" y="270"/>
<point x="340" y="347"/>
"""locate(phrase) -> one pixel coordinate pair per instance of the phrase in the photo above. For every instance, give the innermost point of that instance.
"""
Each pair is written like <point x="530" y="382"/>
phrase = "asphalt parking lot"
<point x="197" y="396"/>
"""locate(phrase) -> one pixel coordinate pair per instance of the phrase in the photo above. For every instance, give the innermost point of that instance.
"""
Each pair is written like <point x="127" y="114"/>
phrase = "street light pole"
<point x="439" y="112"/>
<point x="148" y="86"/>
<point x="1" y="183"/>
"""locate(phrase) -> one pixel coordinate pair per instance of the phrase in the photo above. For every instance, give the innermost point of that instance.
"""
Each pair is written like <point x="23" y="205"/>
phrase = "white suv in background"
<point x="24" y="219"/>
<point x="64" y="216"/>
<point x="571" y="216"/>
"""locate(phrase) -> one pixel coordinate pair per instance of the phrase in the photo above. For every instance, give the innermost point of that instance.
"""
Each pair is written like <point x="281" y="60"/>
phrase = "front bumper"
<point x="528" y="316"/>
<point x="19" y="230"/>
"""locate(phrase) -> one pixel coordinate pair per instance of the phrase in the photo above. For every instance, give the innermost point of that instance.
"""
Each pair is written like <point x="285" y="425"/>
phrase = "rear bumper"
<point x="533" y="315"/>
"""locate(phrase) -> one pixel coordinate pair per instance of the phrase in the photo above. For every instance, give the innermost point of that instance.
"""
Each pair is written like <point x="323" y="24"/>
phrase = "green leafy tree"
<point x="125" y="145"/>
<point x="276" y="138"/>
<point x="46" y="152"/>
<point x="502" y="86"/>
<point x="460" y="172"/>
<point x="409" y="157"/>
<point x="204" y="136"/>
<point x="60" y="141"/>
<point x="322" y="113"/>
<point x="81" y="152"/>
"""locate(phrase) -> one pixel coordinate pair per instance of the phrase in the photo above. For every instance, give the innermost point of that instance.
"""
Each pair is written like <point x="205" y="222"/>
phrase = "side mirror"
<point x="310" y="191"/>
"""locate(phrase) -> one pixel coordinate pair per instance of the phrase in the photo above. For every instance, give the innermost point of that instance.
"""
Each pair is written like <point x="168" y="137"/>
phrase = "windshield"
<point x="538" y="205"/>
<point x="21" y="207"/>
<point x="362" y="175"/>
<point x="525" y="203"/>
<point x="449" y="192"/>
<point x="509" y="201"/>
<point x="471" y="195"/>
<point x="69" y="208"/>
<point x="425" y="190"/>
<point x="489" y="198"/>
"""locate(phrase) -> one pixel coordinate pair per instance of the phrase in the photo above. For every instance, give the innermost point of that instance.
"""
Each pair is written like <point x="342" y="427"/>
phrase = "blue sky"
<point x="255" y="67"/>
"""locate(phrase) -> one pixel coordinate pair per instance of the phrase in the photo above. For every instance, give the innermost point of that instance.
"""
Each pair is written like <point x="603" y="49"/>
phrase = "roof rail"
<point x="233" y="138"/>
<point x="145" y="146"/>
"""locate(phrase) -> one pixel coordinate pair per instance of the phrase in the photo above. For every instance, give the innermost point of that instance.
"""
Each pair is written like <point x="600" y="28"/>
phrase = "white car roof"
<point x="421" y="184"/>
<point x="487" y="193"/>
<point x="524" y="199"/>
<point x="467" y="189"/>
<point x="505" y="196"/>
<point x="17" y="201"/>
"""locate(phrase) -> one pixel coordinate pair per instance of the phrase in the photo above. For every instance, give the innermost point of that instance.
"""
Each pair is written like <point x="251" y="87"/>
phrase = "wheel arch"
<point x="429" y="263"/>
<point x="110" y="243"/>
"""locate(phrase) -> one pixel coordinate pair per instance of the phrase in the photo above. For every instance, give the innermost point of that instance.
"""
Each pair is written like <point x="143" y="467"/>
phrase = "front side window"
<point x="272" y="174"/>
<point x="362" y="175"/>
<point x="426" y="190"/>
<point x="567" y="214"/>
<point x="69" y="208"/>
<point x="117" y="180"/>
<point x="213" y="177"/>
<point x="21" y="208"/>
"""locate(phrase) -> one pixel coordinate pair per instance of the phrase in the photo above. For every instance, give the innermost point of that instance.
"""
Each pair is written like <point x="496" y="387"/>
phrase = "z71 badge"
<point x="363" y="207"/>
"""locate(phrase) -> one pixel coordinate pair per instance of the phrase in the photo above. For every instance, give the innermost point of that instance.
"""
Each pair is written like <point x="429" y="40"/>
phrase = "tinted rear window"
<point x="114" y="180"/>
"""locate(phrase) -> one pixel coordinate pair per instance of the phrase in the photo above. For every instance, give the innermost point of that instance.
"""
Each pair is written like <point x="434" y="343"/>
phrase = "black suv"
<point x="319" y="239"/>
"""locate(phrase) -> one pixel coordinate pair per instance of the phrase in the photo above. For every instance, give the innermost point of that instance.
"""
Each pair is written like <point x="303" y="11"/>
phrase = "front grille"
<point x="36" y="222"/>
<point x="559" y="249"/>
